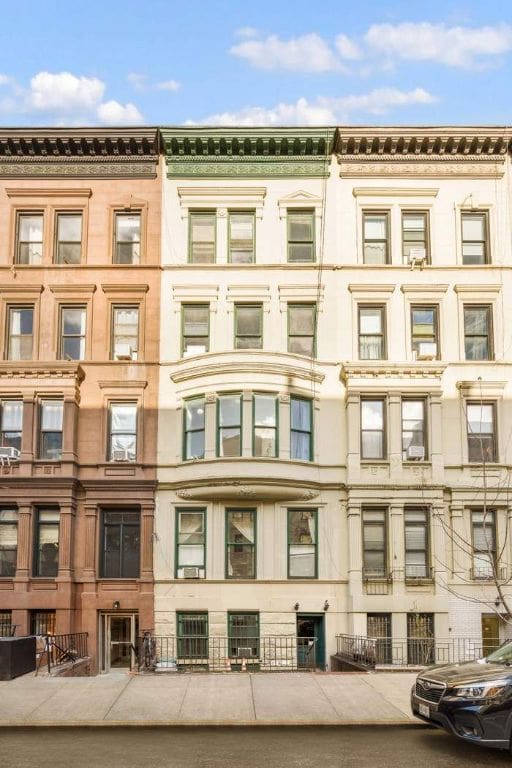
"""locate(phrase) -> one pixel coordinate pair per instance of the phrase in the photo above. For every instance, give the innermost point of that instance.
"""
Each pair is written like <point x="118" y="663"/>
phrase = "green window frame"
<point x="229" y="424"/>
<point x="300" y="226"/>
<point x="375" y="542"/>
<point x="415" y="233"/>
<point x="240" y="558"/>
<point x="244" y="635"/>
<point x="194" y="428"/>
<point x="302" y="543"/>
<point x="192" y="635"/>
<point x="190" y="539"/>
<point x="248" y="326"/>
<point x="265" y="432"/>
<point x="241" y="244"/>
<point x="475" y="237"/>
<point x="301" y="428"/>
<point x="202" y="239"/>
<point x="195" y="329"/>
<point x="376" y="237"/>
<point x="68" y="237"/>
<point x="302" y="329"/>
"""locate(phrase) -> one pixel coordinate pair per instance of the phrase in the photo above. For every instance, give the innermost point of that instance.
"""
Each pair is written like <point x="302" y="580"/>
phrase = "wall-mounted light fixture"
<point x="497" y="602"/>
<point x="116" y="605"/>
<point x="326" y="605"/>
<point x="296" y="607"/>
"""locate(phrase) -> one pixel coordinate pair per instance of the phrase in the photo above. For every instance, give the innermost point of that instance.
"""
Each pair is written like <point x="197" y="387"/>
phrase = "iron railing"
<point x="274" y="653"/>
<point x="371" y="652"/>
<point x="61" y="649"/>
<point x="7" y="629"/>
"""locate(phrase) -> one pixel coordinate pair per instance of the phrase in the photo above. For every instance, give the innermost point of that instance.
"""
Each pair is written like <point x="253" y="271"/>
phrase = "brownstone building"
<point x="79" y="328"/>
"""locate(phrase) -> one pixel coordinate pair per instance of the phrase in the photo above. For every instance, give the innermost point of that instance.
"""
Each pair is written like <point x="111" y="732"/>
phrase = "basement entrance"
<point x="310" y="641"/>
<point x="118" y="635"/>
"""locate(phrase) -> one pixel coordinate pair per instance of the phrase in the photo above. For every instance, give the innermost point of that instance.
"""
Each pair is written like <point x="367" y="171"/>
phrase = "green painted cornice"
<point x="247" y="152"/>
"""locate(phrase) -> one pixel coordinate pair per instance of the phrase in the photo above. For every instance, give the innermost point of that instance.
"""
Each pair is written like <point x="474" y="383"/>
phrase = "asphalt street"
<point x="255" y="747"/>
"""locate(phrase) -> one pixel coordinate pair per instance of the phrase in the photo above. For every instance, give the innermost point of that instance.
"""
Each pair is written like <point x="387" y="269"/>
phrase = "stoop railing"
<point x="62" y="649"/>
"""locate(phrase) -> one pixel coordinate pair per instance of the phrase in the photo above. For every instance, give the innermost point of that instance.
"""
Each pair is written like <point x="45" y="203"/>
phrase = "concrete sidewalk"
<point x="208" y="699"/>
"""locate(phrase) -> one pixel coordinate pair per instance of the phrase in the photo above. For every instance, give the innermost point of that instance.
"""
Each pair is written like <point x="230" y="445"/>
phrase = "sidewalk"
<point x="258" y="699"/>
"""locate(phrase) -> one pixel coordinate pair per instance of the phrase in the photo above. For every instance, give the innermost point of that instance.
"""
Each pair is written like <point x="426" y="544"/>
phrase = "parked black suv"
<point x="472" y="700"/>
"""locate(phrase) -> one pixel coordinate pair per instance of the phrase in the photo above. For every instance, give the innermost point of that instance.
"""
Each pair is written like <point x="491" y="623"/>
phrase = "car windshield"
<point x="502" y="655"/>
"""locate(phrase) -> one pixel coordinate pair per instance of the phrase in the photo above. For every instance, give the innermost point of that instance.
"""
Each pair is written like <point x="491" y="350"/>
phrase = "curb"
<point x="214" y="724"/>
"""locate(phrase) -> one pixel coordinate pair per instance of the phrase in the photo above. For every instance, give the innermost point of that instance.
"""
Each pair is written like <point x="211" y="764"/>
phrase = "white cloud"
<point x="64" y="92"/>
<point x="347" y="48"/>
<point x="168" y="85"/>
<point x="452" y="46"/>
<point x="137" y="80"/>
<point x="308" y="53"/>
<point x="114" y="113"/>
<point x="4" y="79"/>
<point x="246" y="32"/>
<point x="323" y="111"/>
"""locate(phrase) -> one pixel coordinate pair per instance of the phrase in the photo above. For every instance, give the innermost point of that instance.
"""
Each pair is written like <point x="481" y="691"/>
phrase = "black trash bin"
<point x="17" y="656"/>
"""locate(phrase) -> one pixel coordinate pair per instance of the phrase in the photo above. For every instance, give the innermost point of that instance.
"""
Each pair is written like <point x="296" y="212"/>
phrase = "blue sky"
<point x="230" y="62"/>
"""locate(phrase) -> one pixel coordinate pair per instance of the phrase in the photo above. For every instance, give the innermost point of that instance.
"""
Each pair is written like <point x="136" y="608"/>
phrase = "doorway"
<point x="117" y="637"/>
<point x="490" y="633"/>
<point x="310" y="641"/>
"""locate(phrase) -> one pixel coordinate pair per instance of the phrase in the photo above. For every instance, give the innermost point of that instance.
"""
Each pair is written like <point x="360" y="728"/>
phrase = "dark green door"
<point x="310" y="641"/>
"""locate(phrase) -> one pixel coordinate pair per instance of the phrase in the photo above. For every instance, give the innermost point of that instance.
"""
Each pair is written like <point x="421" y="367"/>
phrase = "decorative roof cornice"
<point x="247" y="152"/>
<point x="90" y="143"/>
<point x="423" y="143"/>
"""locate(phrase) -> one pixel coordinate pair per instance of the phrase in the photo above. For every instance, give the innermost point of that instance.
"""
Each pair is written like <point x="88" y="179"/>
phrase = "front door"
<point x="119" y="633"/>
<point x="490" y="633"/>
<point x="310" y="641"/>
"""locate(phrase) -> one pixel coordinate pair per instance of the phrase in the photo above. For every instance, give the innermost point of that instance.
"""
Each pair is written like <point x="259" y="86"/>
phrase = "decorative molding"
<point x="72" y="288"/>
<point x="387" y="370"/>
<point x="10" y="369"/>
<point x="195" y="294"/>
<point x="48" y="192"/>
<point x="22" y="289"/>
<point x="300" y="200"/>
<point x="125" y="288"/>
<point x="247" y="488"/>
<point x="466" y="142"/>
<point x="426" y="289"/>
<point x="372" y="288"/>
<point x="119" y="384"/>
<point x="253" y="363"/>
<point x="248" y="293"/>
<point x="421" y="168"/>
<point x="299" y="292"/>
<point x="480" y="387"/>
<point x="117" y="168"/>
<point x="395" y="191"/>
<point x="49" y="143"/>
<point x="478" y="288"/>
<point x="222" y="198"/>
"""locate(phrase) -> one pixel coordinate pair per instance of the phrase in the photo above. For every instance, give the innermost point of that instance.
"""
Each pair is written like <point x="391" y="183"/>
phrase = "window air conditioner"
<point x="244" y="653"/>
<point x="10" y="453"/>
<point x="417" y="256"/>
<point x="415" y="453"/>
<point x="122" y="455"/>
<point x="123" y="352"/>
<point x="427" y="350"/>
<point x="190" y="572"/>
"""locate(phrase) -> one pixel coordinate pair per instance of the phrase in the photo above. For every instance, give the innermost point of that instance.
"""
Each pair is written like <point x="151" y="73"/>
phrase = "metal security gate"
<point x="378" y="625"/>
<point x="420" y="639"/>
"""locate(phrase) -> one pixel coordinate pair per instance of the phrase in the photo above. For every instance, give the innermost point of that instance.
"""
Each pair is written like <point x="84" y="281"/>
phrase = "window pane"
<point x="194" y="445"/>
<point x="265" y="442"/>
<point x="473" y="226"/>
<point x="300" y="414"/>
<point x="265" y="410"/>
<point x="413" y="223"/>
<point x="476" y="321"/>
<point x="195" y="321"/>
<point x="300" y="226"/>
<point x="123" y="417"/>
<point x="202" y="238"/>
<point x="128" y="228"/>
<point x="372" y="445"/>
<point x="370" y="320"/>
<point x="31" y="228"/>
<point x="302" y="320"/>
<point x="302" y="562"/>
<point x="69" y="228"/>
<point x="423" y="322"/>
<point x="375" y="227"/>
<point x="301" y="526"/>
<point x="372" y="414"/>
<point x="229" y="410"/>
<point x="241" y="246"/>
<point x="12" y="415"/>
<point x="195" y="414"/>
<point x="480" y="418"/>
<point x="51" y="415"/>
<point x="240" y="544"/>
<point x="300" y="446"/>
<point x="229" y="441"/>
<point x="375" y="253"/>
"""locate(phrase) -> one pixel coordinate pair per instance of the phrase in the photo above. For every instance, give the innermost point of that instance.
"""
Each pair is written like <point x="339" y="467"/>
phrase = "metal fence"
<point x="274" y="653"/>
<point x="62" y="649"/>
<point x="7" y="629"/>
<point x="371" y="652"/>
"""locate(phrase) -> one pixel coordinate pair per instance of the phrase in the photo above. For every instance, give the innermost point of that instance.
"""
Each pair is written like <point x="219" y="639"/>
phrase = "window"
<point x="202" y="237"/>
<point x="192" y="635"/>
<point x="20" y="333"/>
<point x="475" y="245"/>
<point x="194" y="428"/>
<point x="483" y="527"/>
<point x="46" y="559"/>
<point x="29" y="248"/>
<point x="240" y="544"/>
<point x="478" y="332"/>
<point x="301" y="329"/>
<point x="7" y="629"/>
<point x="229" y="435"/>
<point x="248" y="326"/>
<point x="374" y="543"/>
<point x="244" y="635"/>
<point x="264" y="442"/>
<point x="123" y="432"/>
<point x="8" y="541"/>
<point x="127" y="238"/>
<point x="376" y="237"/>
<point x="302" y="557"/>
<point x="241" y="238"/>
<point x="372" y="340"/>
<point x="11" y="423"/>
<point x="42" y="622"/>
<point x="301" y="236"/>
<point x="414" y="235"/>
<point x="414" y="438"/>
<point x="121" y="544"/>
<point x="481" y="432"/>
<point x="373" y="429"/>
<point x="301" y="437"/>
<point x="190" y="539"/>
<point x="424" y="331"/>
<point x="72" y="333"/>
<point x="421" y="650"/>
<point x="50" y="431"/>
<point x="69" y="238"/>
<point x="125" y="333"/>
<point x="195" y="329"/>
<point x="416" y="543"/>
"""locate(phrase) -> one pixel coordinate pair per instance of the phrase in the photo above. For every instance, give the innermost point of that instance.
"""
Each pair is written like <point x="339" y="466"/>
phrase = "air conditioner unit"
<point x="416" y="453"/>
<point x="427" y="350"/>
<point x="191" y="573"/>
<point x="244" y="653"/>
<point x="10" y="453"/>
<point x="122" y="455"/>
<point x="417" y="256"/>
<point x="123" y="352"/>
